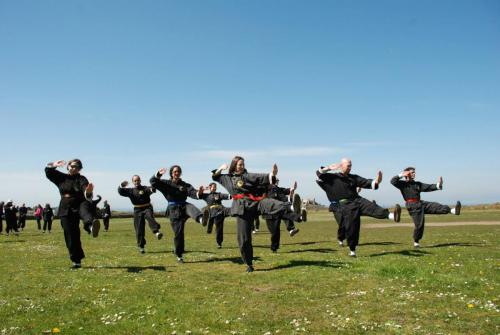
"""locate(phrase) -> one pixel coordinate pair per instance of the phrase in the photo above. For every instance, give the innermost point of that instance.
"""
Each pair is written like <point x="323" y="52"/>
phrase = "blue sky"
<point x="131" y="86"/>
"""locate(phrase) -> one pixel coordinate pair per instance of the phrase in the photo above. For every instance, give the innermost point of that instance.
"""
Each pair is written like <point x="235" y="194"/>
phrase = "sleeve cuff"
<point x="374" y="185"/>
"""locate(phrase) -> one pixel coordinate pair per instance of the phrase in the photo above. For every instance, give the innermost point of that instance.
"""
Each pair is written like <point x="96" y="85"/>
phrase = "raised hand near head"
<point x="274" y="171"/>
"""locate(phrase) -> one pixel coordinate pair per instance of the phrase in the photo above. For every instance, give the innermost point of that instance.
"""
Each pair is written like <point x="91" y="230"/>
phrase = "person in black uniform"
<point x="10" y="218"/>
<point x="76" y="197"/>
<point x="48" y="216"/>
<point x="176" y="191"/>
<point x="140" y="196"/>
<point x="1" y="216"/>
<point x="23" y="212"/>
<point x="247" y="190"/>
<point x="106" y="215"/>
<point x="273" y="221"/>
<point x="417" y="208"/>
<point x="217" y="211"/>
<point x="94" y="211"/>
<point x="342" y="188"/>
<point x="256" y="225"/>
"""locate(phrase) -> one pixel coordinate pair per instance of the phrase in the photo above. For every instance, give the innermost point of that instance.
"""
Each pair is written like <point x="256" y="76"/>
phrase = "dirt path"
<point x="431" y="224"/>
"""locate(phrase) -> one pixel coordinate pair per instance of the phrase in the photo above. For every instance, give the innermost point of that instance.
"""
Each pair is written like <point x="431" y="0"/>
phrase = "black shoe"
<point x="294" y="232"/>
<point x="458" y="207"/>
<point x="96" y="225"/>
<point x="219" y="246"/>
<point x="76" y="265"/>
<point x="250" y="268"/>
<point x="159" y="235"/>
<point x="303" y="215"/>
<point x="274" y="251"/>
<point x="87" y="229"/>
<point x="180" y="260"/>
<point x="397" y="213"/>
<point x="296" y="204"/>
<point x="142" y="251"/>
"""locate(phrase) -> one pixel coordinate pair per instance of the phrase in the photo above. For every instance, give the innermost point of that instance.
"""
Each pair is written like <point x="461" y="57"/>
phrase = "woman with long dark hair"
<point x="247" y="190"/>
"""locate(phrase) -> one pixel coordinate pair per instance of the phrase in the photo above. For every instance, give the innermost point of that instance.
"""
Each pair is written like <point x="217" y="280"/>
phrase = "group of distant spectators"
<point x="15" y="217"/>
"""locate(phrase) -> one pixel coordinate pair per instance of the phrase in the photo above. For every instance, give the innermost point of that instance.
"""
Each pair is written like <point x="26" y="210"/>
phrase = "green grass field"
<point x="449" y="286"/>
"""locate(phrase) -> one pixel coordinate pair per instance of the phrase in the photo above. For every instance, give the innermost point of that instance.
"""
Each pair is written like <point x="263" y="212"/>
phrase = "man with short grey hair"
<point x="342" y="188"/>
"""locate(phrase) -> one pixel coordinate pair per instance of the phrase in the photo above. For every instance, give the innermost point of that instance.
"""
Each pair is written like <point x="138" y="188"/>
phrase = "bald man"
<point x="411" y="189"/>
<point x="341" y="189"/>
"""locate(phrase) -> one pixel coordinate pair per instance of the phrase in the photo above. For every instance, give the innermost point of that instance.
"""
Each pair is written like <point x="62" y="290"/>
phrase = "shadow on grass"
<point x="411" y="253"/>
<point x="320" y="250"/>
<point x="379" y="243"/>
<point x="14" y="241"/>
<point x="185" y="252"/>
<point x="133" y="269"/>
<point x="297" y="263"/>
<point x="454" y="244"/>
<point x="236" y="260"/>
<point x="306" y="243"/>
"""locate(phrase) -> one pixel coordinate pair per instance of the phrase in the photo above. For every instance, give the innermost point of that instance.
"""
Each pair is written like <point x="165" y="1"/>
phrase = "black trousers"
<point x="417" y="212"/>
<point x="273" y="225"/>
<point x="38" y="222"/>
<point x="244" y="234"/>
<point x="87" y="213"/>
<point x="341" y="234"/>
<point x="178" y="215"/>
<point x="105" y="221"/>
<point x="351" y="212"/>
<point x="11" y="225"/>
<point x="218" y="221"/>
<point x="70" y="224"/>
<point x="1" y="223"/>
<point x="47" y="224"/>
<point x="141" y="215"/>
<point x="22" y="222"/>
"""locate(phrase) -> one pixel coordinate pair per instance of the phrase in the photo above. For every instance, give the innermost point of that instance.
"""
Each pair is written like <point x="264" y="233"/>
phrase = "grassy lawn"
<point x="449" y="286"/>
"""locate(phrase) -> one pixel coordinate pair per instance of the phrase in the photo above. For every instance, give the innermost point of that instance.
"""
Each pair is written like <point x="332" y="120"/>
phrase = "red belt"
<point x="249" y="196"/>
<point x="412" y="200"/>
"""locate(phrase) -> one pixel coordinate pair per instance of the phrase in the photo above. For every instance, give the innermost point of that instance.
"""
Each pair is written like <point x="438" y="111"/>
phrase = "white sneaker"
<point x="254" y="231"/>
<point x="180" y="260"/>
<point x="159" y="235"/>
<point x="341" y="243"/>
<point x="142" y="251"/>
<point x="416" y="245"/>
<point x="352" y="253"/>
<point x="294" y="231"/>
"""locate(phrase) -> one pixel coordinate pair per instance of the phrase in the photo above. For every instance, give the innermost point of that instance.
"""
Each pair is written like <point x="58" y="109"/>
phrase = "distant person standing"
<point x="106" y="215"/>
<point x="1" y="216"/>
<point x="344" y="191"/>
<point x="38" y="214"/>
<point x="23" y="212"/>
<point x="76" y="196"/>
<point x="417" y="208"/>
<point x="176" y="191"/>
<point x="48" y="216"/>
<point x="217" y="211"/>
<point x="140" y="196"/>
<point x="11" y="218"/>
